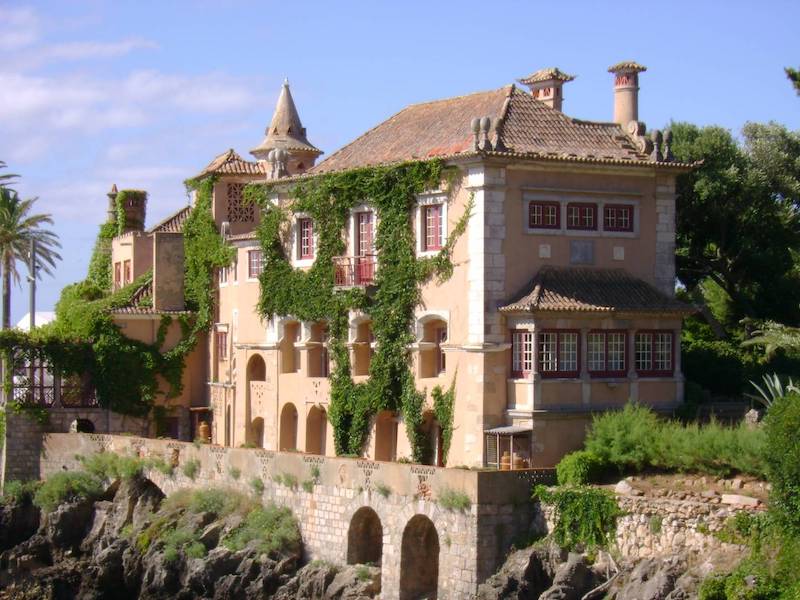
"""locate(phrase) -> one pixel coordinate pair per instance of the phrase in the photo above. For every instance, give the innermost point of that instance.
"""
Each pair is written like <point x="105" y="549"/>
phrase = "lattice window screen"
<point x="238" y="211"/>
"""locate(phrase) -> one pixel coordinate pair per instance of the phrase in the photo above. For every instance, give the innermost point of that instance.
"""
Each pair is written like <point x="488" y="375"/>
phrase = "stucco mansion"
<point x="561" y="302"/>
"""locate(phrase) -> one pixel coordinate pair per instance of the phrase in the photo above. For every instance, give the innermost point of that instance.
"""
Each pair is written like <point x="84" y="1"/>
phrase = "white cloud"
<point x="19" y="27"/>
<point x="93" y="50"/>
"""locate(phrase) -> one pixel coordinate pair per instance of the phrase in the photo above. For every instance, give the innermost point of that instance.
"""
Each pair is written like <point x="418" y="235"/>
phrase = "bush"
<point x="109" y="466"/>
<point x="623" y="438"/>
<point x="579" y="468"/>
<point x="191" y="468"/>
<point x="19" y="492"/>
<point x="453" y="500"/>
<point x="782" y="456"/>
<point x="586" y="518"/>
<point x="718" y="366"/>
<point x="69" y="486"/>
<point x="268" y="528"/>
<point x="257" y="484"/>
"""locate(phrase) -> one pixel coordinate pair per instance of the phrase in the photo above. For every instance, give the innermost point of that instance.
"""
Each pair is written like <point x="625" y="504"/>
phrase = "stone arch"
<point x="365" y="538"/>
<point x="81" y="426"/>
<point x="288" y="432"/>
<point x="316" y="430"/>
<point x="256" y="369"/>
<point x="419" y="559"/>
<point x="257" y="432"/>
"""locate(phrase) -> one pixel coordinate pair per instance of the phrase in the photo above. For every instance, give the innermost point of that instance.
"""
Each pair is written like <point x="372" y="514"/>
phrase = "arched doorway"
<point x="81" y="426"/>
<point x="386" y="436"/>
<point x="316" y="430"/>
<point x="365" y="538"/>
<point x="419" y="560"/>
<point x="257" y="432"/>
<point x="288" y="437"/>
<point x="433" y="435"/>
<point x="256" y="368"/>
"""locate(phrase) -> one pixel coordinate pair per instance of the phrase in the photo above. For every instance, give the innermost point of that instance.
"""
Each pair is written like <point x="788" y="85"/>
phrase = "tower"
<point x="286" y="133"/>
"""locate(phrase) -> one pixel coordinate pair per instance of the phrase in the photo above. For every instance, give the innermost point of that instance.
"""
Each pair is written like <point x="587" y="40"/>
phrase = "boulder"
<point x="739" y="500"/>
<point x="67" y="525"/>
<point x="572" y="580"/>
<point x="355" y="582"/>
<point x="18" y="522"/>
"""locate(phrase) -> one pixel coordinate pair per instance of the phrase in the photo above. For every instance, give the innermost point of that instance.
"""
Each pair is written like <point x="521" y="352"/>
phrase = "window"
<point x="127" y="272"/>
<point x="606" y="353"/>
<point x="582" y="216"/>
<point x="441" y="361"/>
<point x="222" y="345"/>
<point x="558" y="353"/>
<point x="234" y="268"/>
<point x="117" y="275"/>
<point x="521" y="353"/>
<point x="223" y="275"/>
<point x="654" y="352"/>
<point x="433" y="227"/>
<point x="239" y="210"/>
<point x="255" y="263"/>
<point x="305" y="228"/>
<point x="544" y="215"/>
<point x="617" y="217"/>
<point x="365" y="241"/>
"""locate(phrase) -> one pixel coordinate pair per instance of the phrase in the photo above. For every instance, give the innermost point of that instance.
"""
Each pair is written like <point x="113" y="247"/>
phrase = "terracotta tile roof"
<point x="173" y="223"/>
<point x="546" y="75"/>
<point x="627" y="65"/>
<point x="142" y="295"/>
<point x="230" y="163"/>
<point x="585" y="289"/>
<point x="442" y="129"/>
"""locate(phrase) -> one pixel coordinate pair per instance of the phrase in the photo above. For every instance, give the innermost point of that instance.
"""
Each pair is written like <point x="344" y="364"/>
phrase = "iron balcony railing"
<point x="354" y="271"/>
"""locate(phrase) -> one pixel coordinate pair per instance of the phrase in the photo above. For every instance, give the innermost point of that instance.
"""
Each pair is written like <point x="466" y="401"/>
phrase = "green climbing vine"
<point x="310" y="295"/>
<point x="443" y="405"/>
<point x="84" y="341"/>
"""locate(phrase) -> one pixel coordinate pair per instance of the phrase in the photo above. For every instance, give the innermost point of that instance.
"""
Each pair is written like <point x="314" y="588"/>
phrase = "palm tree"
<point x="7" y="178"/>
<point x="17" y="229"/>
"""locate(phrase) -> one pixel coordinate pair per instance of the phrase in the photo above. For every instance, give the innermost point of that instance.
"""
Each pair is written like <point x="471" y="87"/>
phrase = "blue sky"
<point x="144" y="94"/>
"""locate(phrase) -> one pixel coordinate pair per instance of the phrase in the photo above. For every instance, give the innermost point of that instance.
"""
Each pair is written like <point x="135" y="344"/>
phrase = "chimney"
<point x="546" y="86"/>
<point x="626" y="91"/>
<point x="134" y="203"/>
<point x="111" y="213"/>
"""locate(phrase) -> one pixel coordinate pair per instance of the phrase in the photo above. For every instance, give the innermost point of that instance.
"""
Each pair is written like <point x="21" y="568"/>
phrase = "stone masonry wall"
<point x="325" y="493"/>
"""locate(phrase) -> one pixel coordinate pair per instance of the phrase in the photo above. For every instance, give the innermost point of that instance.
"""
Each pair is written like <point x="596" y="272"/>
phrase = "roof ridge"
<point x="460" y="96"/>
<point x="167" y="219"/>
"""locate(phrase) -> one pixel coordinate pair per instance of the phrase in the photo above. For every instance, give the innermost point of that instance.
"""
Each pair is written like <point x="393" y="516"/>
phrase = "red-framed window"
<point x="222" y="345"/>
<point x="521" y="353"/>
<point x="544" y="215"/>
<point x="441" y="338"/>
<point x="581" y="216"/>
<point x="434" y="230"/>
<point x="305" y="228"/>
<point x="365" y="233"/>
<point x="127" y="272"/>
<point x="255" y="263"/>
<point x="618" y="217"/>
<point x="117" y="275"/>
<point x="655" y="352"/>
<point x="606" y="353"/>
<point x="559" y="353"/>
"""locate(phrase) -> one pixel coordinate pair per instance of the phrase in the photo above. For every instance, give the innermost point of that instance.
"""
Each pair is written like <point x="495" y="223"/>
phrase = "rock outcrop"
<point x="107" y="549"/>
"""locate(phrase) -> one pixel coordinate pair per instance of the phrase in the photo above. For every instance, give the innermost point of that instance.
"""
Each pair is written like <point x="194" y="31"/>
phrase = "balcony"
<point x="354" y="271"/>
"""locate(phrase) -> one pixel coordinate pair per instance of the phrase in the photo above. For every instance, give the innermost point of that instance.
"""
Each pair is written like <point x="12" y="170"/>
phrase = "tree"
<point x="737" y="225"/>
<point x="794" y="77"/>
<point x="17" y="228"/>
<point x="6" y="178"/>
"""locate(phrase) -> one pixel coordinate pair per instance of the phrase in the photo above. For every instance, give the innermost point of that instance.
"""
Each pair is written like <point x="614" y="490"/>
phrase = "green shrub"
<point x="712" y="588"/>
<point x="315" y="472"/>
<point x="384" y="490"/>
<point x="579" y="468"/>
<point x="450" y="499"/>
<point x="109" y="466"/>
<point x="268" y="529"/>
<point x="623" y="438"/>
<point x="781" y="427"/>
<point x="363" y="573"/>
<point x="257" y="484"/>
<point x="285" y="479"/>
<point x="191" y="468"/>
<point x="585" y="517"/>
<point x="68" y="486"/>
<point x="717" y="366"/>
<point x="235" y="472"/>
<point x="19" y="492"/>
<point x="163" y="467"/>
<point x="656" y="522"/>
<point x="308" y="485"/>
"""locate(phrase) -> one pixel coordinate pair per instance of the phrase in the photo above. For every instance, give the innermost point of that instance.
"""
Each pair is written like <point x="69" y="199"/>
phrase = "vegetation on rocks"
<point x="585" y="517"/>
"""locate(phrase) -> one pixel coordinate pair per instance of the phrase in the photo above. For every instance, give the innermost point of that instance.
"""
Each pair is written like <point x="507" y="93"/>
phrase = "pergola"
<point x="501" y="439"/>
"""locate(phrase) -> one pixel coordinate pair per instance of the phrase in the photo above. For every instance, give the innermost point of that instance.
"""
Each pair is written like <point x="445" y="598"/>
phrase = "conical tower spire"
<point x="286" y="132"/>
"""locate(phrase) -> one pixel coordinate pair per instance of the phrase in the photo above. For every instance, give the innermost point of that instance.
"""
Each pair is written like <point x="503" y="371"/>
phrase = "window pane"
<point x="644" y="349"/>
<point x="521" y="352"/>
<point x="568" y="352"/>
<point x="547" y="352"/>
<point x="597" y="351"/>
<point x="616" y="351"/>
<point x="663" y="351"/>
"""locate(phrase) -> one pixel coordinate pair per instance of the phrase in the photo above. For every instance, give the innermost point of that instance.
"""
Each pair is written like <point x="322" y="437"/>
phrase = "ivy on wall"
<point x="310" y="295"/>
<point x="443" y="406"/>
<point x="85" y="341"/>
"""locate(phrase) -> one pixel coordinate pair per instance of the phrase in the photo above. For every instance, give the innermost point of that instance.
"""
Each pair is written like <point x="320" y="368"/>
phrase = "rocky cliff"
<point x="132" y="543"/>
